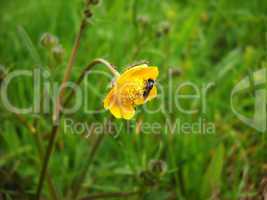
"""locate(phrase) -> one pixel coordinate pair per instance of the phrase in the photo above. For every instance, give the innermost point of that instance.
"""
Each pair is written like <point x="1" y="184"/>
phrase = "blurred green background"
<point x="203" y="42"/>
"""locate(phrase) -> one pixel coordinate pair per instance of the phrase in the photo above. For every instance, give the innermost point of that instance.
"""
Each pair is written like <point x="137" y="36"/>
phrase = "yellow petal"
<point x="139" y="101"/>
<point x="122" y="111"/>
<point x="128" y="91"/>
<point x="115" y="111"/>
<point x="117" y="108"/>
<point x="138" y="72"/>
<point x="127" y="111"/>
<point x="108" y="99"/>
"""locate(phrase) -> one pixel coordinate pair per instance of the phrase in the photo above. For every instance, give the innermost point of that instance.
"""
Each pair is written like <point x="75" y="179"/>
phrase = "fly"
<point x="148" y="87"/>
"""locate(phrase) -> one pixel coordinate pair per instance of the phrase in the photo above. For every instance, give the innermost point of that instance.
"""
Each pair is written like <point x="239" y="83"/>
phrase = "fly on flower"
<point x="133" y="87"/>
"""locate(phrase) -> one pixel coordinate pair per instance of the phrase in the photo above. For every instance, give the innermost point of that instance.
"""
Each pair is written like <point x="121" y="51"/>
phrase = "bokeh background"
<point x="198" y="41"/>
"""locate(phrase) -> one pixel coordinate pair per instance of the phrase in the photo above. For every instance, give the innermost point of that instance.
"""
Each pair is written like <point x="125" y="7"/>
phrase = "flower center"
<point x="131" y="91"/>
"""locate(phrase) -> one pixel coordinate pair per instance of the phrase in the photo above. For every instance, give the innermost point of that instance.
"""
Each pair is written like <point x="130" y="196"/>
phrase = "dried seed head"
<point x="166" y="27"/>
<point x="158" y="167"/>
<point x="58" y="53"/>
<point x="163" y="28"/>
<point x="87" y="13"/>
<point x="175" y="71"/>
<point x="143" y="20"/>
<point x="48" y="40"/>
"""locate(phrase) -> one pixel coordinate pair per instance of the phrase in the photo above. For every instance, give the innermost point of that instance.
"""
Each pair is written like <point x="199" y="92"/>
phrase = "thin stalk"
<point x="88" y="68"/>
<point x="68" y="70"/>
<point x="38" y="142"/>
<point x="57" y="112"/>
<point x="46" y="160"/>
<point x="56" y="124"/>
<point x="81" y="177"/>
<point x="57" y="109"/>
<point x="50" y="184"/>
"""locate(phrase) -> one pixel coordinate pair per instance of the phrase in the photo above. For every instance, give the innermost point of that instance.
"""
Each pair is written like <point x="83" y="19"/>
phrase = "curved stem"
<point x="87" y="69"/>
<point x="57" y="113"/>
<point x="94" y="63"/>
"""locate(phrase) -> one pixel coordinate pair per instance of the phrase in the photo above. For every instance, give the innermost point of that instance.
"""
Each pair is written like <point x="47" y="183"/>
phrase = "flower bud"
<point x="158" y="167"/>
<point x="58" y="53"/>
<point x="48" y="40"/>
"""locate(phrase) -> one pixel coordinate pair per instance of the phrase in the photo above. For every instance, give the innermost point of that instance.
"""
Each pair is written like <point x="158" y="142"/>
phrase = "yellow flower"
<point x="133" y="87"/>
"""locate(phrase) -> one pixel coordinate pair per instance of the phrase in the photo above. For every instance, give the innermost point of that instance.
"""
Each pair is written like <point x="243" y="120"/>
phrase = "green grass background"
<point x="209" y="41"/>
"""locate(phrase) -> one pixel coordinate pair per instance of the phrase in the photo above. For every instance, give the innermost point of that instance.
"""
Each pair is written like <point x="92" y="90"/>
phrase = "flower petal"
<point x="138" y="72"/>
<point x="117" y="108"/>
<point x="115" y="111"/>
<point x="127" y="111"/>
<point x="122" y="111"/>
<point x="108" y="99"/>
<point x="139" y="101"/>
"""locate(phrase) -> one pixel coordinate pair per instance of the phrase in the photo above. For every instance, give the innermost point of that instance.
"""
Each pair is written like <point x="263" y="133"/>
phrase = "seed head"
<point x="143" y="20"/>
<point x="163" y="28"/>
<point x="87" y="13"/>
<point x="158" y="167"/>
<point x="48" y="40"/>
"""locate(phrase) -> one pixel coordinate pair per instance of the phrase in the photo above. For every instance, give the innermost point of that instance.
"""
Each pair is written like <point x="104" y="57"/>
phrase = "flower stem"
<point x="87" y="69"/>
<point x="94" y="63"/>
<point x="57" y="111"/>
<point x="37" y="139"/>
<point x="68" y="70"/>
<point x="46" y="160"/>
<point x="80" y="179"/>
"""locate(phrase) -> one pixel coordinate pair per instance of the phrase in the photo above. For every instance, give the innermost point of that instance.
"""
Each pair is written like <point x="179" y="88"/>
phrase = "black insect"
<point x="148" y="87"/>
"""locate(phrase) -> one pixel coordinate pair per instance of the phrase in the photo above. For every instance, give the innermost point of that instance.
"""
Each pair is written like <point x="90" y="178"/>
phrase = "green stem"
<point x="50" y="184"/>
<point x="77" y="184"/>
<point x="38" y="142"/>
<point x="46" y="160"/>
<point x="56" y="114"/>
<point x="89" y="68"/>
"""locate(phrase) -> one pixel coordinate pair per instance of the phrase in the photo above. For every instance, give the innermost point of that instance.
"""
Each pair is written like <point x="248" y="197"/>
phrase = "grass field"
<point x="199" y="146"/>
